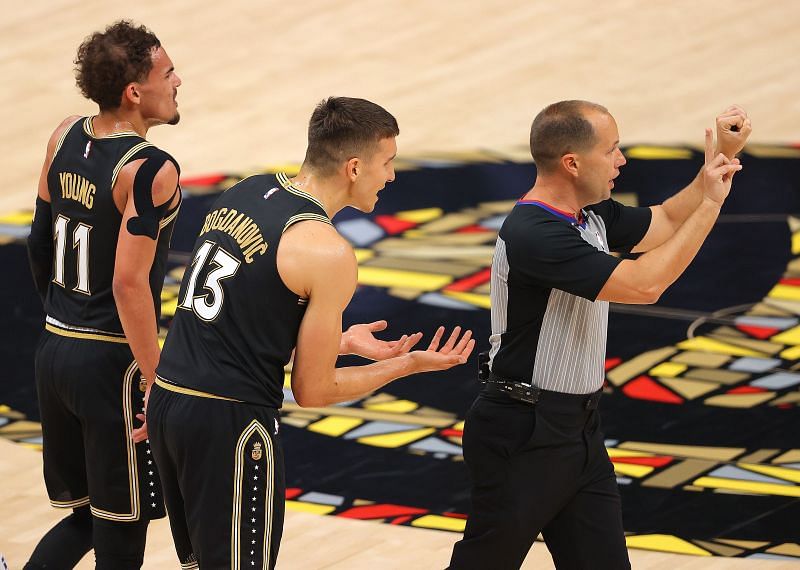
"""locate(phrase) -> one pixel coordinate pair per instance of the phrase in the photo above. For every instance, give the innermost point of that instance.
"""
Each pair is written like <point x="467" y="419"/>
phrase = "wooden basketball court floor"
<point x="459" y="76"/>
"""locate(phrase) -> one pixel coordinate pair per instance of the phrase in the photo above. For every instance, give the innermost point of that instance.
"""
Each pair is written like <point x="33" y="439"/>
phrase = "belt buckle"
<point x="523" y="392"/>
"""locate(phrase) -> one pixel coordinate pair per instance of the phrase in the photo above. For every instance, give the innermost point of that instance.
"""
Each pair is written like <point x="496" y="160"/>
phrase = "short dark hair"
<point x="562" y="128"/>
<point x="343" y="127"/>
<point x="108" y="61"/>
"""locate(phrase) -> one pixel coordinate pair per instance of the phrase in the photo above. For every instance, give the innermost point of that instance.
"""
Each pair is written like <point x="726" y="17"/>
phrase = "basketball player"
<point x="269" y="274"/>
<point x="105" y="210"/>
<point x="532" y="439"/>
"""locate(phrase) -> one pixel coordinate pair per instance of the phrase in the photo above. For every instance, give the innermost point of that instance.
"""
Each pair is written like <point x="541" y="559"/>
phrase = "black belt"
<point x="532" y="395"/>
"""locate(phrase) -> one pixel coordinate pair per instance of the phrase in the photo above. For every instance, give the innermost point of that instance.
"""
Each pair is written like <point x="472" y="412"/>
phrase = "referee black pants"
<point x="540" y="468"/>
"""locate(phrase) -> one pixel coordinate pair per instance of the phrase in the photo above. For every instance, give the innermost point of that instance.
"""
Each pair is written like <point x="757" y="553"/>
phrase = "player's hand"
<point x="454" y="352"/>
<point x="718" y="172"/>
<point x="140" y="433"/>
<point x="733" y="130"/>
<point x="359" y="339"/>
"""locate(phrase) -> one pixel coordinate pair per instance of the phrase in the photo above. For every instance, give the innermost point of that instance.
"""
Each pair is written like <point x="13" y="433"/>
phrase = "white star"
<point x="252" y="563"/>
<point x="254" y="498"/>
<point x="255" y="488"/>
<point x="150" y="472"/>
<point x="151" y="483"/>
<point x="148" y="452"/>
<point x="154" y="504"/>
<point x="152" y="494"/>
<point x="147" y="441"/>
<point x="149" y="462"/>
<point x="252" y="552"/>
<point x="254" y="542"/>
<point x="254" y="531"/>
<point x="254" y="509"/>
<point x="255" y="477"/>
<point x="252" y="520"/>
<point x="256" y="467"/>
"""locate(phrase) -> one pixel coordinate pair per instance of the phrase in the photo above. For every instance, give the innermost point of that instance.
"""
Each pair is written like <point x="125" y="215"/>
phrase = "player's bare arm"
<point x="326" y="274"/>
<point x="134" y="258"/>
<point x="733" y="129"/>
<point x="644" y="280"/>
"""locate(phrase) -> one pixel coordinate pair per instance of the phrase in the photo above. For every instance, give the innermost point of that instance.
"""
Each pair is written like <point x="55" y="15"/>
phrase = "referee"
<point x="532" y="440"/>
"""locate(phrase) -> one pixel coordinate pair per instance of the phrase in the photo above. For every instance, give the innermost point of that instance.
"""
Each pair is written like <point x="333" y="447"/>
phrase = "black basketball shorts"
<point x="221" y="466"/>
<point x="89" y="394"/>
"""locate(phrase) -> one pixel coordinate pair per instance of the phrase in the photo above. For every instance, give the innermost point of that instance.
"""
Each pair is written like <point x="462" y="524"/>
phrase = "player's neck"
<point x="112" y="122"/>
<point x="321" y="188"/>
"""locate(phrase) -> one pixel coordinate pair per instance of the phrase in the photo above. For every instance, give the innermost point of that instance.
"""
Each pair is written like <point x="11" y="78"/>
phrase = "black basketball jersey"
<point x="86" y="225"/>
<point x="237" y="322"/>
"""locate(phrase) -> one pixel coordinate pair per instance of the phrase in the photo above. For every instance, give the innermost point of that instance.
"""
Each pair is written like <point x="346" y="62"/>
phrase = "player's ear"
<point x="352" y="168"/>
<point x="131" y="93"/>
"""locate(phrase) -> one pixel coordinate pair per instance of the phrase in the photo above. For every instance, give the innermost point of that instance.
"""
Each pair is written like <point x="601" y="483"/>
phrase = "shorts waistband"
<point x="55" y="326"/>
<point x="167" y="385"/>
<point x="534" y="396"/>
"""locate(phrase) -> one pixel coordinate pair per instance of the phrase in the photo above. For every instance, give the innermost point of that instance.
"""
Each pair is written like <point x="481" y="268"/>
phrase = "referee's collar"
<point x="566" y="216"/>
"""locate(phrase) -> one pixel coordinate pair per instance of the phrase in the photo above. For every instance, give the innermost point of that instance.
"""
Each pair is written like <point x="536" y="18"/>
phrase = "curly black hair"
<point x="108" y="61"/>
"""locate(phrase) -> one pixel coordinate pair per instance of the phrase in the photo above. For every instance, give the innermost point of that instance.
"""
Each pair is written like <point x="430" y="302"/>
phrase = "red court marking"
<point x="645" y="388"/>
<point x="612" y="363"/>
<point x="747" y="390"/>
<point x="652" y="461"/>
<point x="449" y="432"/>
<point x="401" y="520"/>
<point x="758" y="332"/>
<point x="380" y="512"/>
<point x="293" y="492"/>
<point x="794" y="281"/>
<point x="471" y="281"/>
<point x="455" y="515"/>
<point x="473" y="229"/>
<point x="209" y="180"/>
<point x="785" y="406"/>
<point x="393" y="225"/>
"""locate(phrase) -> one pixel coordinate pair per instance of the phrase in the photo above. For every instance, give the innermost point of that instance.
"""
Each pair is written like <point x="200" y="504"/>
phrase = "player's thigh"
<point x="229" y="466"/>
<point x="62" y="433"/>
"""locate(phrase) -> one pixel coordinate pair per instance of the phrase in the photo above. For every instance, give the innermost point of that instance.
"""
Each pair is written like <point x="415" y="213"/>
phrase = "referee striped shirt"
<point x="548" y="268"/>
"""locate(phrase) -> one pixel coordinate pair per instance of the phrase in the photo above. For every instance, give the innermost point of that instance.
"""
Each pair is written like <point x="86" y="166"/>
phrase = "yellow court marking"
<point x="748" y="486"/>
<point x="482" y="301"/>
<point x="711" y="345"/>
<point x="792" y="353"/>
<point x="17" y="218"/>
<point x="668" y="369"/>
<point x="790" y="336"/>
<point x="395" y="406"/>
<point x="420" y="216"/>
<point x="378" y="277"/>
<point x="441" y="523"/>
<point x="792" y="475"/>
<point x="363" y="254"/>
<point x="665" y="543"/>
<point x="398" y="439"/>
<point x="335" y="425"/>
<point x="632" y="470"/>
<point x="309" y="508"/>
<point x="657" y="152"/>
<point x="789" y="292"/>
